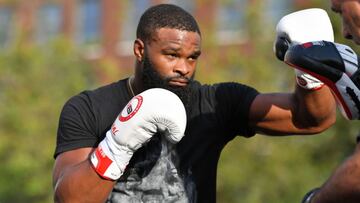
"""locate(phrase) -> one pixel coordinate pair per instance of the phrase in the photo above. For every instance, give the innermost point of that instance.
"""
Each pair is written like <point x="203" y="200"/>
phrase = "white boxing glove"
<point x="154" y="110"/>
<point x="299" y="27"/>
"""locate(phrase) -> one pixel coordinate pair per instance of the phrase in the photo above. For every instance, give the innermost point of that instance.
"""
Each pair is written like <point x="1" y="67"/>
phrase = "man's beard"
<point x="152" y="79"/>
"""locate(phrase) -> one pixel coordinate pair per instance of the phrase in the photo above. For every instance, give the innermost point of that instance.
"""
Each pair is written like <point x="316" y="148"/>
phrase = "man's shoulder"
<point x="208" y="95"/>
<point x="107" y="91"/>
<point x="222" y="86"/>
<point x="105" y="95"/>
<point x="112" y="89"/>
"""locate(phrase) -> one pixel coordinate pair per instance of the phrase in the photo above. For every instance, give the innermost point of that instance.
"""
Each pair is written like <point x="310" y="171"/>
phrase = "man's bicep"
<point x="272" y="113"/>
<point x="68" y="159"/>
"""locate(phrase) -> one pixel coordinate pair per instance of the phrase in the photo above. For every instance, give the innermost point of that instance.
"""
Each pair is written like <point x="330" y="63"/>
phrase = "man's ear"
<point x="139" y="48"/>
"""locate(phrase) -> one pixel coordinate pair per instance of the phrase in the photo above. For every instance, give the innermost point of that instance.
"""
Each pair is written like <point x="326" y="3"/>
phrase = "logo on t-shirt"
<point x="131" y="108"/>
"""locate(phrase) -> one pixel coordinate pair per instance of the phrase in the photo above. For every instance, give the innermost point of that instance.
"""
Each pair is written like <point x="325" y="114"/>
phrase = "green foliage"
<point x="34" y="84"/>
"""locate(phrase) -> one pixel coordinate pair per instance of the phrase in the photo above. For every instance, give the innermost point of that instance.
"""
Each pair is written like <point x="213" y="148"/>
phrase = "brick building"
<point x="107" y="28"/>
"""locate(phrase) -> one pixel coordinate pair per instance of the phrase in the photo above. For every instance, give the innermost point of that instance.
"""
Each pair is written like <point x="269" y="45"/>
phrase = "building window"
<point x="5" y="25"/>
<point x="89" y="16"/>
<point x="230" y="21"/>
<point x="275" y="9"/>
<point x="130" y="17"/>
<point x="131" y="14"/>
<point x="186" y="5"/>
<point x="49" y="21"/>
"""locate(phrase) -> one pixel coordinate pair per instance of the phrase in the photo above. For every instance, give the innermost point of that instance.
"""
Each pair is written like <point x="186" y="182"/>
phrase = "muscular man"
<point x="344" y="184"/>
<point x="350" y="13"/>
<point x="100" y="160"/>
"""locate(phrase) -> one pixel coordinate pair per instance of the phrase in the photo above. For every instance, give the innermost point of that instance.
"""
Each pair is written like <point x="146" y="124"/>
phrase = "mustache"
<point x="179" y="77"/>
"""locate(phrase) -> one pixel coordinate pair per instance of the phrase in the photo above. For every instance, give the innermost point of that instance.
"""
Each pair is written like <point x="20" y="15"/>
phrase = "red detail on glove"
<point x="307" y="45"/>
<point x="103" y="162"/>
<point x="317" y="88"/>
<point x="131" y="112"/>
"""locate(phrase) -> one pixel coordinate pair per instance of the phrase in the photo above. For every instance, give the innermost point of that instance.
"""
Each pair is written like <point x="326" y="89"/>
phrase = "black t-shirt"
<point x="161" y="171"/>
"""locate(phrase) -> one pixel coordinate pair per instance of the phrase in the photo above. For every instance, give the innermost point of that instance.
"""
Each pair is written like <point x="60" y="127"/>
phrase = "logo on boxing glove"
<point x="301" y="81"/>
<point x="131" y="109"/>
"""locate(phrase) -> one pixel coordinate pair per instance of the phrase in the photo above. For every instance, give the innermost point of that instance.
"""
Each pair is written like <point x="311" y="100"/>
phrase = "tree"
<point x="34" y="84"/>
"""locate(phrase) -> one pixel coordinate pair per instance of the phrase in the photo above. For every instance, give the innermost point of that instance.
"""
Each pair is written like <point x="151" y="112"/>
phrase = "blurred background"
<point x="52" y="49"/>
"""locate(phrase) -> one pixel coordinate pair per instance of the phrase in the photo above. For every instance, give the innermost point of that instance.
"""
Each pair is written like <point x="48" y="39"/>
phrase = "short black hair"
<point x="165" y="16"/>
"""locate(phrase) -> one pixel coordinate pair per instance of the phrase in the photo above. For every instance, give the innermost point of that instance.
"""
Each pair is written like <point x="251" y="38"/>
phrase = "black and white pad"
<point x="336" y="65"/>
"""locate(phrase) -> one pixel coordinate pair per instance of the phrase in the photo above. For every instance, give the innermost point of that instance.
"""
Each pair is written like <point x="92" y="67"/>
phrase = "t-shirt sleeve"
<point x="76" y="125"/>
<point x="233" y="106"/>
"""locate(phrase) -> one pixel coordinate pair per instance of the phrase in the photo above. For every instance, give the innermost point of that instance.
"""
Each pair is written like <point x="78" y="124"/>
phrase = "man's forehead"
<point x="172" y="35"/>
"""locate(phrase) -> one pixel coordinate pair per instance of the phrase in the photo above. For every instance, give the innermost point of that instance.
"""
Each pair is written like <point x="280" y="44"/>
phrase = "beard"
<point x="152" y="79"/>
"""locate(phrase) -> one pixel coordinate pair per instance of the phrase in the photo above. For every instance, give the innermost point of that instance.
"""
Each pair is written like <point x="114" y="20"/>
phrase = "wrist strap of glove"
<point x="310" y="195"/>
<point x="110" y="159"/>
<point x="104" y="163"/>
<point x="307" y="81"/>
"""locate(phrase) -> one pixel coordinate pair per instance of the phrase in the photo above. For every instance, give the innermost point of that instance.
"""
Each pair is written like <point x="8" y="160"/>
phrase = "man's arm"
<point x="74" y="179"/>
<point x="301" y="112"/>
<point x="343" y="185"/>
<point x="311" y="108"/>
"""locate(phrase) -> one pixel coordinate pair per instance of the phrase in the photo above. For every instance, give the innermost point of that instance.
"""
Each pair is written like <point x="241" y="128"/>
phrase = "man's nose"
<point x="182" y="67"/>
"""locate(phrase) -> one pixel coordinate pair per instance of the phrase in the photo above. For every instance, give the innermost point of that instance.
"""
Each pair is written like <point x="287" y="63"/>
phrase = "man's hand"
<point x="300" y="27"/>
<point x="337" y="65"/>
<point x="155" y="110"/>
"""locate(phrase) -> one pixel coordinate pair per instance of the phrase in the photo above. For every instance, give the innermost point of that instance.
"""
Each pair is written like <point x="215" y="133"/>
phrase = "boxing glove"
<point x="337" y="65"/>
<point x="154" y="110"/>
<point x="300" y="27"/>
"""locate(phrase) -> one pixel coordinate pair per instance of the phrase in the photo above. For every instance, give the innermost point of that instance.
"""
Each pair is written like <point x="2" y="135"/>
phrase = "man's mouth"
<point x="179" y="82"/>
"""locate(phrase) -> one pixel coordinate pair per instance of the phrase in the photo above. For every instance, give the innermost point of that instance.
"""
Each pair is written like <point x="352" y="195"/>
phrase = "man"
<point x="350" y="13"/>
<point x="100" y="160"/>
<point x="344" y="183"/>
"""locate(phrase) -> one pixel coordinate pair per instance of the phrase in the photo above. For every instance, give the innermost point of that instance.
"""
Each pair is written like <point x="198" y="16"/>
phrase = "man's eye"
<point x="193" y="58"/>
<point x="171" y="55"/>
